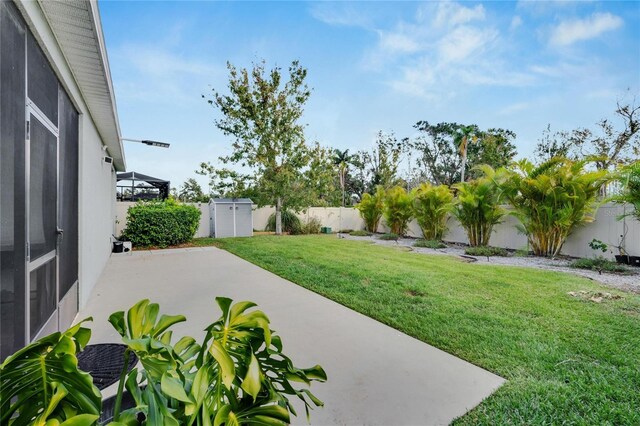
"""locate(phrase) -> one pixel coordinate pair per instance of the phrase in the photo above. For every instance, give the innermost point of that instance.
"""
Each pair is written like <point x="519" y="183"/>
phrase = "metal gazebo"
<point x="141" y="187"/>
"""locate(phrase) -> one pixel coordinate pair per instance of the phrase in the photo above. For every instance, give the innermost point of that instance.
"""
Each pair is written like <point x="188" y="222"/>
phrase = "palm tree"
<point x="462" y="137"/>
<point x="553" y="199"/>
<point x="342" y="159"/>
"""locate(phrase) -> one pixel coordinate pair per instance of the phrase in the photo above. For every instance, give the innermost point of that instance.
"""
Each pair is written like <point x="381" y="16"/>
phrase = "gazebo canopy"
<point x="141" y="182"/>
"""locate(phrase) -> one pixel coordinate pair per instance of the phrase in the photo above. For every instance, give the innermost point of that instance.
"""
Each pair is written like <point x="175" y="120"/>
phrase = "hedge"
<point x="161" y="223"/>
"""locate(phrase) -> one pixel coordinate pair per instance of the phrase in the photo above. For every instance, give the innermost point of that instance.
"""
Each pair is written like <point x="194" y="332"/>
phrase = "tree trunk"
<point x="279" y="216"/>
<point x="342" y="183"/>
<point x="464" y="159"/>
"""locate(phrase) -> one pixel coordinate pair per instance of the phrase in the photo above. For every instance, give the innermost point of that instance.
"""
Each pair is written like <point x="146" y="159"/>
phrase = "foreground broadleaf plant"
<point x="41" y="384"/>
<point x="238" y="375"/>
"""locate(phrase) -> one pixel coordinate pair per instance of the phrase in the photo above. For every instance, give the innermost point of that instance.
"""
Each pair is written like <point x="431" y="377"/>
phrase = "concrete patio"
<point x="377" y="375"/>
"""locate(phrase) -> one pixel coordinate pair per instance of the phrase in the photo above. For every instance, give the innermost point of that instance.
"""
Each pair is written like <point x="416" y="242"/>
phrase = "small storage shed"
<point x="231" y="217"/>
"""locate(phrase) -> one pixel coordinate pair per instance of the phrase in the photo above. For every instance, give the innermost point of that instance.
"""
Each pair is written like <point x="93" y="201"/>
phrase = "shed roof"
<point x="232" y="200"/>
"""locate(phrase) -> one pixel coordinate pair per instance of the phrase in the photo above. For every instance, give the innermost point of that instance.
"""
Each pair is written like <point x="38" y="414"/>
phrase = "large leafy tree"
<point x="379" y="166"/>
<point x="495" y="148"/>
<point x="321" y="182"/>
<point x="357" y="180"/>
<point x="228" y="183"/>
<point x="262" y="113"/>
<point x="439" y="157"/>
<point x="611" y="145"/>
<point x="192" y="192"/>
<point x="550" y="145"/>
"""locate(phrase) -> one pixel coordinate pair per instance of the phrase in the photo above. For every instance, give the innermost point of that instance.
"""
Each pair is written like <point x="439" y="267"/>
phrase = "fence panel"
<point x="605" y="227"/>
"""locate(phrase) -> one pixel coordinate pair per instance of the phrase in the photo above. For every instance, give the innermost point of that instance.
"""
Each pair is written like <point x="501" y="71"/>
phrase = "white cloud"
<point x="452" y="14"/>
<point x="446" y="47"/>
<point x="463" y="42"/>
<point x="398" y="42"/>
<point x="441" y="27"/>
<point x="449" y="48"/>
<point x="569" y="32"/>
<point x="340" y="15"/>
<point x="417" y="80"/>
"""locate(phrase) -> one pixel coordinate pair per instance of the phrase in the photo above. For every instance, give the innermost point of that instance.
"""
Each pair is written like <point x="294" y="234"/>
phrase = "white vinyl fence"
<point x="605" y="227"/>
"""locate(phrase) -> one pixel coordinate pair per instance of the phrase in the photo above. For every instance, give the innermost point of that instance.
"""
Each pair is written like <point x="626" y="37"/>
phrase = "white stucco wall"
<point x="96" y="179"/>
<point x="96" y="204"/>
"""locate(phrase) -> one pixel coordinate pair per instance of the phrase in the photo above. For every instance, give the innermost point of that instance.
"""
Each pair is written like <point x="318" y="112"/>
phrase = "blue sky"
<point x="372" y="66"/>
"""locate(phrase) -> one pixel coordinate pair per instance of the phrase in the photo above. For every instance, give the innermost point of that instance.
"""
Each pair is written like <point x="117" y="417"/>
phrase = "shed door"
<point x="224" y="222"/>
<point x="244" y="220"/>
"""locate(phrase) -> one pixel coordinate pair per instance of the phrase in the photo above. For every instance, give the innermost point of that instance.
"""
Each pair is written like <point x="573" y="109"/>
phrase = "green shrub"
<point x="311" y="226"/>
<point x="432" y="244"/>
<point x="370" y="209"/>
<point x="398" y="209"/>
<point x="431" y="208"/>
<point x="161" y="223"/>
<point x="598" y="245"/>
<point x="389" y="237"/>
<point x="290" y="222"/>
<point x="360" y="233"/>
<point x="599" y="264"/>
<point x="485" y="251"/>
<point x="477" y="208"/>
<point x="551" y="200"/>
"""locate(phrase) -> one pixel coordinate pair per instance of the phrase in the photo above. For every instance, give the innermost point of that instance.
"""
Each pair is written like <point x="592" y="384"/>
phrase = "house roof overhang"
<point x="78" y="31"/>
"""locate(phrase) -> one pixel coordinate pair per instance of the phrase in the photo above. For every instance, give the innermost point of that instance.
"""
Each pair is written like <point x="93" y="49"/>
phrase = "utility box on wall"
<point x="231" y="217"/>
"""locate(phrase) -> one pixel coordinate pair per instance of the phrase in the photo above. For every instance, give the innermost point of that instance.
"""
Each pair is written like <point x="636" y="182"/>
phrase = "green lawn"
<point x="567" y="360"/>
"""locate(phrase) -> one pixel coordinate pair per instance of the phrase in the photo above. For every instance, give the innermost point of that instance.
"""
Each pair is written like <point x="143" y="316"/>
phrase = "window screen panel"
<point x="12" y="180"/>
<point x="41" y="81"/>
<point x="68" y="193"/>
<point x="43" y="182"/>
<point x="42" y="295"/>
